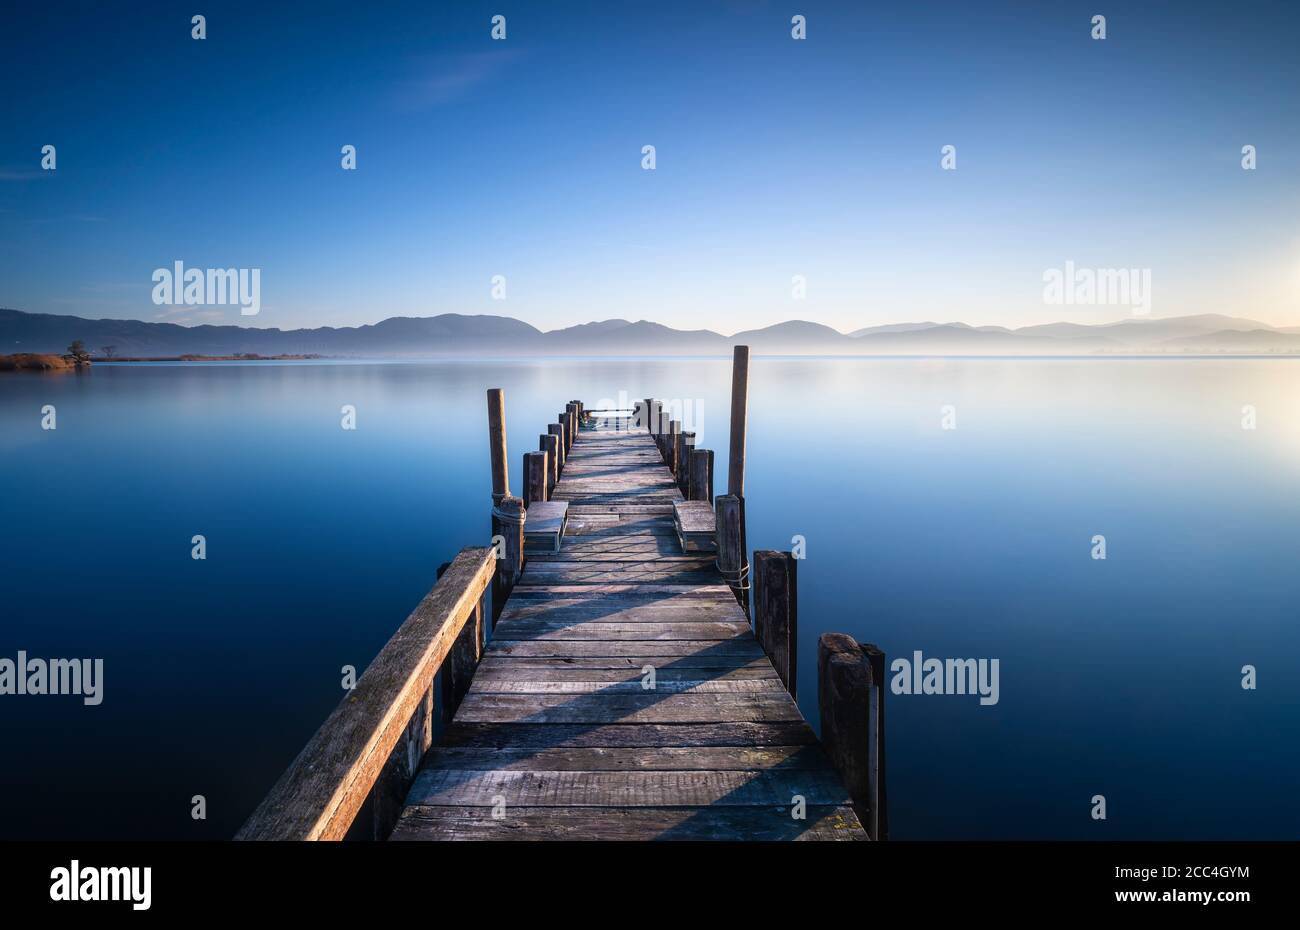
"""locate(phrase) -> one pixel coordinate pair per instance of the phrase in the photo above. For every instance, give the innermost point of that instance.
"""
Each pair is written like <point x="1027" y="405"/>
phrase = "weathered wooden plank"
<point x="609" y="577"/>
<point x="768" y="788"/>
<point x="629" y="758"/>
<point x="706" y="660"/>
<point x="520" y="630"/>
<point x="490" y="675"/>
<point x="631" y="613"/>
<point x="563" y="562"/>
<point x="659" y="592"/>
<point x="496" y="684"/>
<point x="626" y="708"/>
<point x="540" y="736"/>
<point x="627" y="824"/>
<point x="664" y="650"/>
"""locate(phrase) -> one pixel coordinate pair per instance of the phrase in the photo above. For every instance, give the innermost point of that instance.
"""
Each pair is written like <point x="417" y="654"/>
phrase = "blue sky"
<point x="775" y="158"/>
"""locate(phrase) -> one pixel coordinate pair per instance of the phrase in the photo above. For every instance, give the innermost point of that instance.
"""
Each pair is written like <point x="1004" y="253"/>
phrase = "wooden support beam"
<point x="462" y="661"/>
<point x="557" y="430"/>
<point x="535" y="471"/>
<point x="550" y="444"/>
<point x="776" y="611"/>
<point x="850" y="696"/>
<point x="701" y="475"/>
<point x="571" y="411"/>
<point x="739" y="414"/>
<point x="730" y="510"/>
<point x="496" y="402"/>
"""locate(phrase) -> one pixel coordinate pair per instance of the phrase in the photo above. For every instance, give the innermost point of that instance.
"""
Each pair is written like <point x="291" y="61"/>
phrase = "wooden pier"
<point x="623" y="693"/>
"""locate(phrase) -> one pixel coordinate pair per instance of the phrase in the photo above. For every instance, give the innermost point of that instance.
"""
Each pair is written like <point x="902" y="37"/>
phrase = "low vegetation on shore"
<point x="30" y="361"/>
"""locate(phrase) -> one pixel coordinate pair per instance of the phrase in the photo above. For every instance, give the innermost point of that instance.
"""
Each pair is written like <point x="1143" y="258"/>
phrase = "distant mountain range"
<point x="456" y="334"/>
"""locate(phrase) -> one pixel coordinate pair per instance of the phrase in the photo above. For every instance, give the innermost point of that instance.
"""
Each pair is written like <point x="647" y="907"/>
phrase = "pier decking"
<point x="623" y="694"/>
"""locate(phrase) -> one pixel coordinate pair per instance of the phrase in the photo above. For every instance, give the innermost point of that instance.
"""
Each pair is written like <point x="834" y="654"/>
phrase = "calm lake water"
<point x="1119" y="677"/>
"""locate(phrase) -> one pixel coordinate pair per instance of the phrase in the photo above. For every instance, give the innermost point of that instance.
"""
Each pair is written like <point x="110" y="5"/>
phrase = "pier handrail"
<point x="383" y="721"/>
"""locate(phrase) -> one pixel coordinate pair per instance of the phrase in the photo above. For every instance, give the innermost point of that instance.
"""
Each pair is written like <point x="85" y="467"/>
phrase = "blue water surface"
<point x="1119" y="677"/>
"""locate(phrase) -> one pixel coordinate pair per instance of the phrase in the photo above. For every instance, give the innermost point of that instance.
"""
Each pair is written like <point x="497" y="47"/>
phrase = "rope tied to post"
<point x="507" y="517"/>
<point x="737" y="580"/>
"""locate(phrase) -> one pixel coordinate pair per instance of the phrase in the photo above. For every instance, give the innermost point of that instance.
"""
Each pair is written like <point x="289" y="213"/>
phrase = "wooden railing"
<point x="370" y="747"/>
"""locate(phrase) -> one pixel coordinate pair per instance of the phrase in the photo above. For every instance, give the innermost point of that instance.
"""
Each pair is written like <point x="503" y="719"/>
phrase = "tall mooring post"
<point x="733" y="557"/>
<point x="507" y="511"/>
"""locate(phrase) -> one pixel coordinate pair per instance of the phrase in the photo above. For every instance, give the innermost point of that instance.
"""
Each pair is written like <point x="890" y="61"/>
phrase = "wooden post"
<point x="685" y="446"/>
<point x="507" y="522"/>
<point x="535" y="472"/>
<point x="665" y="427"/>
<point x="656" y="417"/>
<point x="571" y="411"/>
<point x="557" y="430"/>
<point x="550" y="444"/>
<point x="563" y="421"/>
<point x="640" y="414"/>
<point x="496" y="401"/>
<point x="728" y="510"/>
<point x="876" y="658"/>
<point x="776" y="611"/>
<point x="701" y="475"/>
<point x="851" y="700"/>
<point x="736" y="462"/>
<point x="739" y="413"/>
<point x="671" y="449"/>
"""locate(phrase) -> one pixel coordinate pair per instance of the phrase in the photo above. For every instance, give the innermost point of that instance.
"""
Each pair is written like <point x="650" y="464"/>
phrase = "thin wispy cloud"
<point x="434" y="82"/>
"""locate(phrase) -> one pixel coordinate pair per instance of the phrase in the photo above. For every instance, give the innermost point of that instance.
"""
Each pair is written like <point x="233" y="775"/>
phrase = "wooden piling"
<point x="701" y="475"/>
<point x="850" y="698"/>
<point x="685" y="448"/>
<point x="557" y="430"/>
<point x="571" y="412"/>
<point x="876" y="658"/>
<point x="731" y="560"/>
<point x="496" y="402"/>
<point x="550" y="444"/>
<point x="739" y="414"/>
<point x="776" y="611"/>
<point x="535" y="477"/>
<point x="670" y="448"/>
<point x="508" y="523"/>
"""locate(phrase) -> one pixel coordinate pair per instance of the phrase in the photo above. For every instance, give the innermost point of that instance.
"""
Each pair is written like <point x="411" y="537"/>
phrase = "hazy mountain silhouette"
<point x="459" y="334"/>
